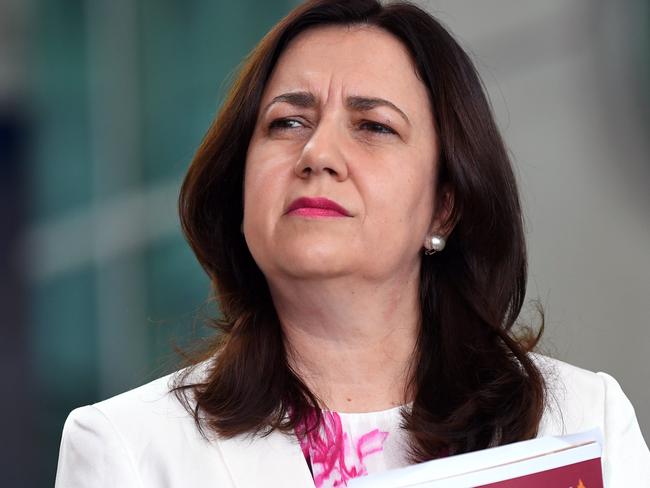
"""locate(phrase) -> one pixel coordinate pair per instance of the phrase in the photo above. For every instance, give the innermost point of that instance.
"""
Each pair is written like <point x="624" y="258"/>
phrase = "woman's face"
<point x="343" y="119"/>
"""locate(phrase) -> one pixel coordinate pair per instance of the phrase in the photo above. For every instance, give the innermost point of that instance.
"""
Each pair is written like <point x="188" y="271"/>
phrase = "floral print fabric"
<point x="348" y="445"/>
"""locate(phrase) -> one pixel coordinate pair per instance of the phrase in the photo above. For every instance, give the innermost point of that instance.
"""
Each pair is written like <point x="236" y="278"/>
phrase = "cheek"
<point x="263" y="184"/>
<point x="259" y="204"/>
<point x="404" y="196"/>
<point x="268" y="173"/>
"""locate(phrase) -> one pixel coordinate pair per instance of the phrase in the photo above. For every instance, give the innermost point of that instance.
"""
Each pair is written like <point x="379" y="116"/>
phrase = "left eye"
<point x="377" y="127"/>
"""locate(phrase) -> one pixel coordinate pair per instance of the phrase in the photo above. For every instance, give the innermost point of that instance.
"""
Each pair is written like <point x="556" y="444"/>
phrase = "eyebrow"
<point x="300" y="99"/>
<point x="305" y="99"/>
<point x="363" y="104"/>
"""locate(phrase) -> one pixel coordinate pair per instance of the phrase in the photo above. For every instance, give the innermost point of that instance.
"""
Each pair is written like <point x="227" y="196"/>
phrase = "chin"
<point x="315" y="261"/>
<point x="307" y="255"/>
<point x="310" y="273"/>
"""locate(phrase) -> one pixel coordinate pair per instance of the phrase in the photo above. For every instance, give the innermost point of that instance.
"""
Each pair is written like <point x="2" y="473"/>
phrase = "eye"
<point x="376" y="127"/>
<point x="284" y="124"/>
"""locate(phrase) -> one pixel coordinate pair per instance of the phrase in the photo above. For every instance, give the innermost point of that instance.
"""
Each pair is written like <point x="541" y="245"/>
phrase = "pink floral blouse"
<point x="349" y="445"/>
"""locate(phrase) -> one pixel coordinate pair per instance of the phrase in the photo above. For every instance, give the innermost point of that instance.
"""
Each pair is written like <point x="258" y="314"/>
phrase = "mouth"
<point x="316" y="207"/>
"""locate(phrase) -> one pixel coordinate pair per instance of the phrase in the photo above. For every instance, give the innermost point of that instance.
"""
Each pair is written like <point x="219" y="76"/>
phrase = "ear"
<point x="443" y="217"/>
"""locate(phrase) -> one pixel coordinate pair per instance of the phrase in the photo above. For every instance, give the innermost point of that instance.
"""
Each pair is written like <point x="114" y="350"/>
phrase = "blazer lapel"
<point x="274" y="460"/>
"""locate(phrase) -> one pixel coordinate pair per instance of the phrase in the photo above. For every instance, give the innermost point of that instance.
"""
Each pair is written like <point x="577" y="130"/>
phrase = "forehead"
<point x="349" y="60"/>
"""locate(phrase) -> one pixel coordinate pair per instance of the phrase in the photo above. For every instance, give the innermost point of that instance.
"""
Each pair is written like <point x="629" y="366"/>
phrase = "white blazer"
<point x="145" y="438"/>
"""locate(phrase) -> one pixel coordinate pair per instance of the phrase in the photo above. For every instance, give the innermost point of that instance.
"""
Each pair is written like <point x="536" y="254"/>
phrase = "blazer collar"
<point x="274" y="460"/>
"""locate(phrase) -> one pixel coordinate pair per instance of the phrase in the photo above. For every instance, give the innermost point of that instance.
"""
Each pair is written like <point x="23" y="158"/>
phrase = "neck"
<point x="351" y="341"/>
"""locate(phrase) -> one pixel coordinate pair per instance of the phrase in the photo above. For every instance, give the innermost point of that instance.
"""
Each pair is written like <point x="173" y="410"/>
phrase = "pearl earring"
<point x="433" y="244"/>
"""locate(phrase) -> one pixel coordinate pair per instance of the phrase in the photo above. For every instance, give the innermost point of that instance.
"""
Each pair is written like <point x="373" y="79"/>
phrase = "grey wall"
<point x="569" y="84"/>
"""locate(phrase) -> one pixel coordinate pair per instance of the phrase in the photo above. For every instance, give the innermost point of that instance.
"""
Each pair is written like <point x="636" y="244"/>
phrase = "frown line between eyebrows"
<point x="304" y="99"/>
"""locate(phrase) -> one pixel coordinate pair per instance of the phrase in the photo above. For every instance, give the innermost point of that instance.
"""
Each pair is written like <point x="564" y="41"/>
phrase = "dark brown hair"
<point x="474" y="382"/>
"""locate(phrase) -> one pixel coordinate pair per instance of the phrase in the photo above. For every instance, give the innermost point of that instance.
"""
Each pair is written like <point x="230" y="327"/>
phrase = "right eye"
<point x="284" y="124"/>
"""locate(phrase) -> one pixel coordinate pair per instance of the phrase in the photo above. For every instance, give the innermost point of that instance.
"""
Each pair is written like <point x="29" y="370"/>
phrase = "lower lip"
<point x="316" y="212"/>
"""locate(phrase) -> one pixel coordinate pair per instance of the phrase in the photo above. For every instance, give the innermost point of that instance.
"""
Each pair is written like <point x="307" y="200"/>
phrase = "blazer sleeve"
<point x="626" y="459"/>
<point x="92" y="454"/>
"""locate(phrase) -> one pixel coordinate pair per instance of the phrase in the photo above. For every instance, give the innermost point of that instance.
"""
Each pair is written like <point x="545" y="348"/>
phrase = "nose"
<point x="323" y="154"/>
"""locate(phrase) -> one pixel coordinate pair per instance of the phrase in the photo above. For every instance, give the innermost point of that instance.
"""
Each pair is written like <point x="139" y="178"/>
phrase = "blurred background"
<point x="103" y="102"/>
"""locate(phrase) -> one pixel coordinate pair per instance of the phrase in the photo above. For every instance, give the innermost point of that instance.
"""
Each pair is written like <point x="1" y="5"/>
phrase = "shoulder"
<point x="151" y="407"/>
<point x="141" y="407"/>
<point x="136" y="439"/>
<point x="579" y="400"/>
<point x="576" y="397"/>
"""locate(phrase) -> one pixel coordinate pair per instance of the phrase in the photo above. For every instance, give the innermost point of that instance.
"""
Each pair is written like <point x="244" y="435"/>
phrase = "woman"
<point x="355" y="208"/>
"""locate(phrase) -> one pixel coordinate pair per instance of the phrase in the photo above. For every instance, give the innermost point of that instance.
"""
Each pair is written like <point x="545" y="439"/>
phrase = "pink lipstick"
<point x="316" y="207"/>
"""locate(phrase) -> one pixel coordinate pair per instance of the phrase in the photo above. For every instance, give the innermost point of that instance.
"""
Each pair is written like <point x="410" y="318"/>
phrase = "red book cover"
<point x="586" y="474"/>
